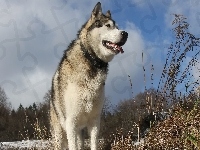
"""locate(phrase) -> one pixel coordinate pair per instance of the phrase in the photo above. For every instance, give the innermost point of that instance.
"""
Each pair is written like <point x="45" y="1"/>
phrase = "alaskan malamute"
<point x="78" y="84"/>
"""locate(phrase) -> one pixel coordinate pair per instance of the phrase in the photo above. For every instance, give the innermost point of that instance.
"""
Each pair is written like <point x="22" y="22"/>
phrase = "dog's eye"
<point x="98" y="23"/>
<point x="108" y="25"/>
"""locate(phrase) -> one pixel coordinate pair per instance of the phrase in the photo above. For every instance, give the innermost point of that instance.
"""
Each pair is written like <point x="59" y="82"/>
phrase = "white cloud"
<point x="129" y="63"/>
<point x="32" y="42"/>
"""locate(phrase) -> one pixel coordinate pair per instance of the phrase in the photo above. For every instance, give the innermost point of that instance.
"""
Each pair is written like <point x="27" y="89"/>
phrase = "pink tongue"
<point x="118" y="47"/>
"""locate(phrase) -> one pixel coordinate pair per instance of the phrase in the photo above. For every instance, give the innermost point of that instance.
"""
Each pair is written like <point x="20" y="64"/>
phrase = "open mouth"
<point x="115" y="47"/>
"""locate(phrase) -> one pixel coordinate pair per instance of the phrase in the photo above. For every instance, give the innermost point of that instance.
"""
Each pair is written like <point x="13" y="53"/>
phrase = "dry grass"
<point x="180" y="131"/>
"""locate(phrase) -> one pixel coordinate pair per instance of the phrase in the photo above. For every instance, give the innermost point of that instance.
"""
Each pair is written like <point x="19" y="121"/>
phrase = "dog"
<point x="79" y="82"/>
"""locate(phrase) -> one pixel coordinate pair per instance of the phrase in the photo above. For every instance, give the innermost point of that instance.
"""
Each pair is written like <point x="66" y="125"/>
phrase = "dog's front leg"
<point x="80" y="140"/>
<point x="94" y="132"/>
<point x="71" y="134"/>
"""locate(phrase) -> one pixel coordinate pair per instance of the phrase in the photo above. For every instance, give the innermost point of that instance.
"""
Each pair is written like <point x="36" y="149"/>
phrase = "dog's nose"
<point x="124" y="34"/>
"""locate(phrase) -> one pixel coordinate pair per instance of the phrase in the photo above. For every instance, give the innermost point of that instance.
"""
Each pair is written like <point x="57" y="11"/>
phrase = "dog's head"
<point x="101" y="35"/>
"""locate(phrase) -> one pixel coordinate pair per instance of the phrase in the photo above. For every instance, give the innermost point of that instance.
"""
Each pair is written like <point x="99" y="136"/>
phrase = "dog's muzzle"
<point x="116" y="47"/>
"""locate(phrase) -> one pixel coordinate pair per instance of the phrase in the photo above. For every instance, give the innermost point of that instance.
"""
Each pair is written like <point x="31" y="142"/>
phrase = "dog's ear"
<point x="108" y="14"/>
<point x="97" y="10"/>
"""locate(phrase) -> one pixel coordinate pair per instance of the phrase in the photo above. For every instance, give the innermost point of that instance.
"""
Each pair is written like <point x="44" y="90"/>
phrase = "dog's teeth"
<point x="113" y="46"/>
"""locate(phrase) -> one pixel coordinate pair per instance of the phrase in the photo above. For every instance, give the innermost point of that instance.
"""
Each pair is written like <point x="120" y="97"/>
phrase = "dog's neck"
<point x="93" y="59"/>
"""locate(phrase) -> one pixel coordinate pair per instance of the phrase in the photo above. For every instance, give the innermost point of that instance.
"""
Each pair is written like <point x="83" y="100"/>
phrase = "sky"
<point x="34" y="34"/>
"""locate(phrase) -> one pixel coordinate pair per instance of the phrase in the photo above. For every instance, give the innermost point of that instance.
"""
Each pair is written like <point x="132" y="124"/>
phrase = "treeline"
<point x="133" y="116"/>
<point x="24" y="123"/>
<point x="33" y="122"/>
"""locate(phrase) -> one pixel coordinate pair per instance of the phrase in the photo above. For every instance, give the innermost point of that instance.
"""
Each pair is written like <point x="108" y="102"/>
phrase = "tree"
<point x="130" y="115"/>
<point x="4" y="100"/>
<point x="4" y="115"/>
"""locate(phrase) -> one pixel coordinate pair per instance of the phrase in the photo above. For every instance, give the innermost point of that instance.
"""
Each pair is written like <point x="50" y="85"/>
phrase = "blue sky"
<point x="33" y="35"/>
